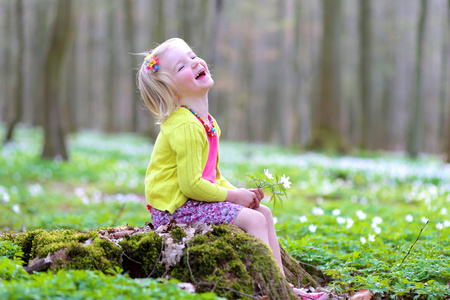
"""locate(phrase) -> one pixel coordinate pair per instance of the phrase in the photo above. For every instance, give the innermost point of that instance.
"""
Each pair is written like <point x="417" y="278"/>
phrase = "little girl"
<point x="183" y="181"/>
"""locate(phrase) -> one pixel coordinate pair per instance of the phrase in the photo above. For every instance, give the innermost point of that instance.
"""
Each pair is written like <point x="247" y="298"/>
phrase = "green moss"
<point x="25" y="241"/>
<point x="142" y="252"/>
<point x="177" y="234"/>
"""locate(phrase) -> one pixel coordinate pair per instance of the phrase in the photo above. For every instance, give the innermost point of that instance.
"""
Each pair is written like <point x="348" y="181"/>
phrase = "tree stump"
<point x="223" y="259"/>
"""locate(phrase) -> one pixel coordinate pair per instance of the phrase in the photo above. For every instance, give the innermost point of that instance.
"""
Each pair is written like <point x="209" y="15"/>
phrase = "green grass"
<point x="333" y="206"/>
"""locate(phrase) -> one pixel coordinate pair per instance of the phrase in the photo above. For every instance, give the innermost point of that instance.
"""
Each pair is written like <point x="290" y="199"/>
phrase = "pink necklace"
<point x="211" y="130"/>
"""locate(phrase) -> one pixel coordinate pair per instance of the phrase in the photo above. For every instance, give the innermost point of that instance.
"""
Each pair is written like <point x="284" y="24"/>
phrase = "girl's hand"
<point x="243" y="197"/>
<point x="259" y="196"/>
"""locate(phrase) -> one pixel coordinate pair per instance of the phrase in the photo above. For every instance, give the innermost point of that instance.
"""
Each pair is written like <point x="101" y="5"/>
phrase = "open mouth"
<point x="200" y="74"/>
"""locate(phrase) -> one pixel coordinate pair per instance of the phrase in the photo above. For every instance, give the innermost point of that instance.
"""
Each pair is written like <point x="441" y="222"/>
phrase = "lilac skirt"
<point x="198" y="211"/>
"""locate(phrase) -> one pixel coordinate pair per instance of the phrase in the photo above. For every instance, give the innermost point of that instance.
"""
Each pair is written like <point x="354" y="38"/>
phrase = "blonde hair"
<point x="157" y="89"/>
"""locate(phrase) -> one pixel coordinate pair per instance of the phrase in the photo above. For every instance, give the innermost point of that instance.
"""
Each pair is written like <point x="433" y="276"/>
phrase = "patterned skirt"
<point x="198" y="211"/>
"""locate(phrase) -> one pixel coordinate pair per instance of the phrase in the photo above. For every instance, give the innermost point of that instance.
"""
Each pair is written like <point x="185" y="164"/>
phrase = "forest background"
<point x="326" y="75"/>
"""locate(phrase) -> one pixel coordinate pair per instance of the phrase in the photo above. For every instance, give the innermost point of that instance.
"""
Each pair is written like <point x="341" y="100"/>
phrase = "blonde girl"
<point x="183" y="180"/>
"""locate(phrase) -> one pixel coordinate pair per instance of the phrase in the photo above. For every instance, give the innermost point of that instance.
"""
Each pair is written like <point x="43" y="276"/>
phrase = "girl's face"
<point x="190" y="73"/>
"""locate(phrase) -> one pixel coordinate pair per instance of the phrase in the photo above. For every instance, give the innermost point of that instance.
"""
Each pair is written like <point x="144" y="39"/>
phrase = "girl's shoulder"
<point x="181" y="117"/>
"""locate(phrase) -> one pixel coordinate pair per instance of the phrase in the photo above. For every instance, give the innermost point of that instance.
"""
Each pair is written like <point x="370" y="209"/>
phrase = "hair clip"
<point x="151" y="63"/>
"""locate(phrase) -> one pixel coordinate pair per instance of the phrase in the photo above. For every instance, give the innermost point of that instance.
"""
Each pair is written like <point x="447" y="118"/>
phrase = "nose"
<point x="195" y="63"/>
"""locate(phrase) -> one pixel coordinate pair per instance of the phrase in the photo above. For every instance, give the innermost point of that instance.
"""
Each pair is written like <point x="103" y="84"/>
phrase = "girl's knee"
<point x="265" y="211"/>
<point x="249" y="218"/>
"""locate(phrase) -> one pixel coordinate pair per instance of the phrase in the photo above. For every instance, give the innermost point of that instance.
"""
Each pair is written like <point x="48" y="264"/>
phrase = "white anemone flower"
<point x="16" y="208"/>
<point x="377" y="230"/>
<point x="361" y="215"/>
<point x="409" y="218"/>
<point x="312" y="228"/>
<point x="340" y="220"/>
<point x="446" y="223"/>
<point x="303" y="219"/>
<point x="275" y="220"/>
<point x="424" y="220"/>
<point x="363" y="240"/>
<point x="371" y="237"/>
<point x="439" y="226"/>
<point x="349" y="222"/>
<point x="285" y="181"/>
<point x="317" y="211"/>
<point x="267" y="174"/>
<point x="336" y="212"/>
<point x="377" y="220"/>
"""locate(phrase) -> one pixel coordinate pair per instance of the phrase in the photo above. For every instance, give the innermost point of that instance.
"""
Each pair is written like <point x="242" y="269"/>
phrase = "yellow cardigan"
<point x="177" y="162"/>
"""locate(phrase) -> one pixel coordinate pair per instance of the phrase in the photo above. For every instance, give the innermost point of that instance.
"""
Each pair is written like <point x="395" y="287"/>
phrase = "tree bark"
<point x="448" y="115"/>
<point x="62" y="32"/>
<point x="16" y="101"/>
<point x="415" y="120"/>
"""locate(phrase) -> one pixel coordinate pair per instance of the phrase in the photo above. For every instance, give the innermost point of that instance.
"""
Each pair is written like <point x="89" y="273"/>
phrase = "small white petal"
<point x="409" y="218"/>
<point x="362" y="239"/>
<point x="377" y="230"/>
<point x="439" y="226"/>
<point x="377" y="220"/>
<point x="349" y="223"/>
<point x="361" y="215"/>
<point x="371" y="237"/>
<point x="446" y="223"/>
<point x="312" y="228"/>
<point x="443" y="211"/>
<point x="424" y="220"/>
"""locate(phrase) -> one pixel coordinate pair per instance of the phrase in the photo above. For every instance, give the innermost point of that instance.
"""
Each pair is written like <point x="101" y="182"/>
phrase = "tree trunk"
<point x="326" y="131"/>
<point x="448" y="116"/>
<point x="237" y="265"/>
<point x="129" y="40"/>
<point x="365" y="84"/>
<point x="110" y="125"/>
<point x="62" y="32"/>
<point x="16" y="101"/>
<point x="415" y="120"/>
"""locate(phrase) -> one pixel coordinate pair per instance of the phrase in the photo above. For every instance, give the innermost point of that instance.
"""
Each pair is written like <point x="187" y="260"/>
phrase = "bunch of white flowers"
<point x="277" y="185"/>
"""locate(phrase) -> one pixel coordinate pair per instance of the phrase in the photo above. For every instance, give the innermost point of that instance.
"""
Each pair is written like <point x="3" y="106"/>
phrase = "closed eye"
<point x="180" y="68"/>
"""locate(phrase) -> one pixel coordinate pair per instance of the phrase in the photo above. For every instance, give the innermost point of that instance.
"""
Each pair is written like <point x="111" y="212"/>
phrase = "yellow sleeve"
<point x="189" y="143"/>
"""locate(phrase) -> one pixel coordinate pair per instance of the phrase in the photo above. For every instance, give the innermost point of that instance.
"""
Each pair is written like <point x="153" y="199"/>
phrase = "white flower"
<point x="424" y="220"/>
<point x="336" y="212"/>
<point x="409" y="218"/>
<point x="377" y="220"/>
<point x="285" y="181"/>
<point x="349" y="223"/>
<point x="267" y="174"/>
<point x="317" y="211"/>
<point x="16" y="208"/>
<point x="361" y="215"/>
<point x="312" y="228"/>
<point x="363" y="240"/>
<point x="443" y="211"/>
<point x="439" y="226"/>
<point x="377" y="230"/>
<point x="340" y="220"/>
<point x="303" y="219"/>
<point x="446" y="223"/>
<point x="275" y="220"/>
<point x="374" y="225"/>
<point x="371" y="237"/>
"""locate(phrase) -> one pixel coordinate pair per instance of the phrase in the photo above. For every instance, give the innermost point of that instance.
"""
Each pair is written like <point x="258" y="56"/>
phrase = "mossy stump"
<point x="223" y="258"/>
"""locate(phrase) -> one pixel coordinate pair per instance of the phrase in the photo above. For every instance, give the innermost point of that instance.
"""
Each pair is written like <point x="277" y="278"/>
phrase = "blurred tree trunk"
<point x="447" y="32"/>
<point x="326" y="131"/>
<point x="129" y="40"/>
<point x="62" y="32"/>
<point x="415" y="120"/>
<point x="15" y="106"/>
<point x="110" y="125"/>
<point x="365" y="72"/>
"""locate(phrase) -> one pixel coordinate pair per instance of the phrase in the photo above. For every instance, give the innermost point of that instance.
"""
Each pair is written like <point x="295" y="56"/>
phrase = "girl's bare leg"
<point x="259" y="223"/>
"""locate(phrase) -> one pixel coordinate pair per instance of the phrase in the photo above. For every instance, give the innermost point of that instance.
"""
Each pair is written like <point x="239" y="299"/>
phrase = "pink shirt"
<point x="209" y="173"/>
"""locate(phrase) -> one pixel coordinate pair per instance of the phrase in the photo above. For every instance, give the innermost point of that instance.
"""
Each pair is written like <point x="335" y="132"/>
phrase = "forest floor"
<point x="376" y="221"/>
